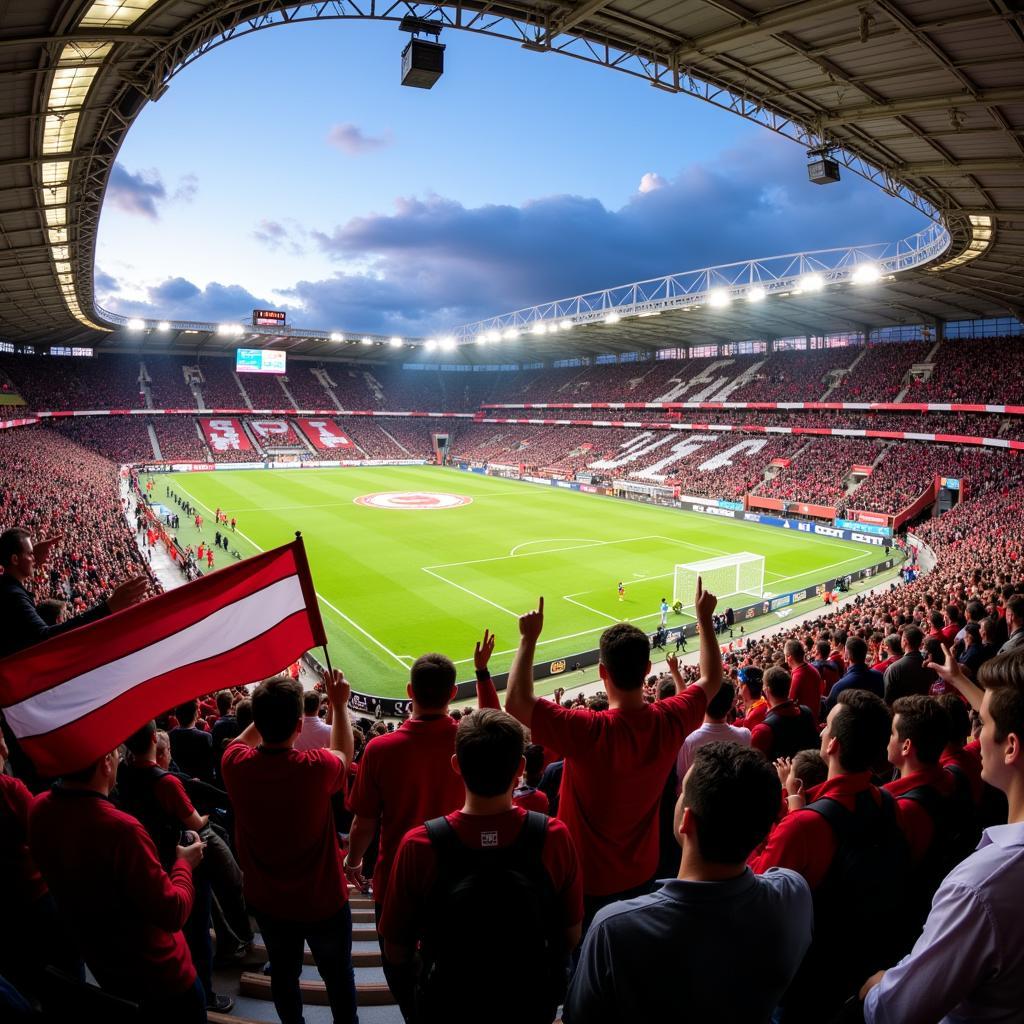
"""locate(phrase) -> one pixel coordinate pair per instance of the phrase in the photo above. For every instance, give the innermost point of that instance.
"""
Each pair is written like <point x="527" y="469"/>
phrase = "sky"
<point x="290" y="169"/>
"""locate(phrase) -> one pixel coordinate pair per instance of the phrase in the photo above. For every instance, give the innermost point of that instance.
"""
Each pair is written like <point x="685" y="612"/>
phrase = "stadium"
<point x="828" y="441"/>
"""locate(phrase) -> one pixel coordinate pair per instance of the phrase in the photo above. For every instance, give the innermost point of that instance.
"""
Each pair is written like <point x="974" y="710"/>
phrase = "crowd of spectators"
<point x="168" y="386"/>
<point x="118" y="438"/>
<point x="219" y="385"/>
<point x="819" y="471"/>
<point x="179" y="440"/>
<point x="976" y="371"/>
<point x="306" y="389"/>
<point x="265" y="391"/>
<point x="65" y="382"/>
<point x="881" y="373"/>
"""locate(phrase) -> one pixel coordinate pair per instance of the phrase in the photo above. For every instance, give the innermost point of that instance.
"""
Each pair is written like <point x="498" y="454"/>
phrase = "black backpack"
<point x="792" y="733"/>
<point x="860" y="906"/>
<point x="490" y="909"/>
<point x="136" y="795"/>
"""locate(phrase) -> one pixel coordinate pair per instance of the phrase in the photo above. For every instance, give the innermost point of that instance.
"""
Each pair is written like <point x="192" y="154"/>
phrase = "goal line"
<point x="725" y="576"/>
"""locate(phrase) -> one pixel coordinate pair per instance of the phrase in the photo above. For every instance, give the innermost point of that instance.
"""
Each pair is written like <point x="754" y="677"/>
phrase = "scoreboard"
<point x="269" y="318"/>
<point x="259" y="360"/>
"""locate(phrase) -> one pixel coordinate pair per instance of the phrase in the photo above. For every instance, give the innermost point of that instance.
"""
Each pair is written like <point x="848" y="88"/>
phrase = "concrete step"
<point x="314" y="993"/>
<point x="360" y="958"/>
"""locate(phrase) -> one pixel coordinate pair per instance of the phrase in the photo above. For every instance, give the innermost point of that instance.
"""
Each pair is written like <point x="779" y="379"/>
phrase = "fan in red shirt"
<point x="892" y="648"/>
<point x="287" y="844"/>
<point x="805" y="681"/>
<point x="123" y="910"/>
<point x="489" y="759"/>
<point x="527" y="795"/>
<point x="961" y="759"/>
<point x="616" y="761"/>
<point x="755" y="706"/>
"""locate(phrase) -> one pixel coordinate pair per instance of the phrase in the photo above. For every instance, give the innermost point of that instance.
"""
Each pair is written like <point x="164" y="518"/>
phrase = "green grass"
<point x="396" y="583"/>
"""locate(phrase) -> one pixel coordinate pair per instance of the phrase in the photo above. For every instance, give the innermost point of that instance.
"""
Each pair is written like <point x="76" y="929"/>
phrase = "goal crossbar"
<point x="725" y="576"/>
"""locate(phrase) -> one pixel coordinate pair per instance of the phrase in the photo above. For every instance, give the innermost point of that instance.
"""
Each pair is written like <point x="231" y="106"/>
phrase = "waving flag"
<point x="74" y="698"/>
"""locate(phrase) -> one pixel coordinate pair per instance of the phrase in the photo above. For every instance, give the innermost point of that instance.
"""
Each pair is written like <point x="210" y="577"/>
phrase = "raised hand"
<point x="483" y="651"/>
<point x="531" y="624"/>
<point x="673" y="664"/>
<point x="128" y="593"/>
<point x="337" y="688"/>
<point x="705" y="602"/>
<point x="41" y="548"/>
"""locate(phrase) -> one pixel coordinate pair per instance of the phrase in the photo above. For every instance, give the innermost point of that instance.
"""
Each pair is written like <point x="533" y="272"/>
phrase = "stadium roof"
<point x="925" y="97"/>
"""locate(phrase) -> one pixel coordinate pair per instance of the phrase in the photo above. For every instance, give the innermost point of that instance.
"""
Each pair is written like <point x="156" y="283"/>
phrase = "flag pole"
<point x="327" y="654"/>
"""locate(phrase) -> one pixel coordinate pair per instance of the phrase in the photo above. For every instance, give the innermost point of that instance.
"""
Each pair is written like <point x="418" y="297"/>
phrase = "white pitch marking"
<point x="471" y="593"/>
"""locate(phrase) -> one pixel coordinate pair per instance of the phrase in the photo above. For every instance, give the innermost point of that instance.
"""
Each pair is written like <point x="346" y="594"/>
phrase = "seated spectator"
<point x="51" y="611"/>
<point x="848" y="845"/>
<point x="908" y="676"/>
<point x="968" y="963"/>
<point x="481" y="888"/>
<point x="858" y="676"/>
<point x="617" y="762"/>
<point x="670" y="955"/>
<point x="226" y="726"/>
<point x="892" y="648"/>
<point x="191" y="747"/>
<point x="528" y="795"/>
<point x="315" y="732"/>
<point x="809" y="769"/>
<point x="124" y="911"/>
<point x="713" y="730"/>
<point x="788" y="726"/>
<point x="1014" y="625"/>
<point x="287" y="845"/>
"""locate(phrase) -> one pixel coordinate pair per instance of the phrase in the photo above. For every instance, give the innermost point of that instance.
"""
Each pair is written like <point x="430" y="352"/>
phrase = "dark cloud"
<point x="433" y="263"/>
<point x="351" y="139"/>
<point x="104" y="283"/>
<point x="136" y="194"/>
<point x="142" y="193"/>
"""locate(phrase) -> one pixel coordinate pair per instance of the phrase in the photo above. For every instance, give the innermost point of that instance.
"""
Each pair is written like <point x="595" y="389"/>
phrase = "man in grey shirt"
<point x="671" y="956"/>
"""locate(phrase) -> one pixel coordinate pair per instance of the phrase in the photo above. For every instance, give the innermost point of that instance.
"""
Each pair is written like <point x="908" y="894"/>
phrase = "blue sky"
<point x="289" y="168"/>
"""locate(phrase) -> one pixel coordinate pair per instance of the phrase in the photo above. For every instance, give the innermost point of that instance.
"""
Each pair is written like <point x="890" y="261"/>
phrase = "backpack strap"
<point x="442" y="835"/>
<point x="928" y="798"/>
<point x="838" y="817"/>
<point x="532" y="835"/>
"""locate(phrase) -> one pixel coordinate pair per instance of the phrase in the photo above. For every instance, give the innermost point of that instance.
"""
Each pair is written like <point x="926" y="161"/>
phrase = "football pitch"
<point x="396" y="579"/>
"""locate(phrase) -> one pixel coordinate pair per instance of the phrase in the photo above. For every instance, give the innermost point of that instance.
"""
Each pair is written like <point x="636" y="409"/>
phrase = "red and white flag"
<point x="74" y="698"/>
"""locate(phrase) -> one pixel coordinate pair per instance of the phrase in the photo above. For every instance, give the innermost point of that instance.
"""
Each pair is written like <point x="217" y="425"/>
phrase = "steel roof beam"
<point x="923" y="104"/>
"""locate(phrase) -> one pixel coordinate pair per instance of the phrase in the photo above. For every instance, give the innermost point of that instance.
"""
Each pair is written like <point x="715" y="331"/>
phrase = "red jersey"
<point x="755" y="716"/>
<point x="805" y="688"/>
<point x="804" y="841"/>
<point x="616" y="764"/>
<point x="968" y="760"/>
<point x="124" y="911"/>
<point x="531" y="799"/>
<point x="415" y="869"/>
<point x="170" y="795"/>
<point x="406" y="778"/>
<point x="284" y="829"/>
<point x="21" y="884"/>
<point x="917" y="823"/>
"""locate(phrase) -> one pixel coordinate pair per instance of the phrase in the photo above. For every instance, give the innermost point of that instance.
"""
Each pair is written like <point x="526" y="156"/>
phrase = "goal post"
<point x="725" y="576"/>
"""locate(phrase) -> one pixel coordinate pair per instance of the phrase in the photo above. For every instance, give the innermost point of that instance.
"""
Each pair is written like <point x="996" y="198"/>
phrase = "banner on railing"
<point x="225" y="435"/>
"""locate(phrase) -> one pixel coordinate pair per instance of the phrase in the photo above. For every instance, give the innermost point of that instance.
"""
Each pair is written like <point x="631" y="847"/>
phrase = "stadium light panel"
<point x="447" y="344"/>
<point x="229" y="329"/>
<point x="539" y="328"/>
<point x="756" y="294"/>
<point x="429" y="345"/>
<point x="510" y="334"/>
<point x="718" y="298"/>
<point x="566" y="325"/>
<point x="335" y="336"/>
<point x="492" y="336"/>
<point x="136" y="325"/>
<point x="866" y="273"/>
<point x="395" y="342"/>
<point x="811" y="283"/>
<point x="163" y="326"/>
<point x="366" y="341"/>
<point x="612" y="318"/>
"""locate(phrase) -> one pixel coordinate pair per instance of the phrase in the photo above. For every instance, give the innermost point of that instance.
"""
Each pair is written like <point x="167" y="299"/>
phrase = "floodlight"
<point x="866" y="273"/>
<point x="718" y="298"/>
<point x="511" y="334"/>
<point x="612" y="318"/>
<point x="366" y="341"/>
<point x="811" y="283"/>
<point x="492" y="336"/>
<point x="163" y="326"/>
<point x="447" y="344"/>
<point x="539" y="328"/>
<point x="136" y="325"/>
<point x="566" y="325"/>
<point x="395" y="342"/>
<point x="335" y="336"/>
<point x="429" y="345"/>
<point x="230" y="329"/>
<point x="756" y="294"/>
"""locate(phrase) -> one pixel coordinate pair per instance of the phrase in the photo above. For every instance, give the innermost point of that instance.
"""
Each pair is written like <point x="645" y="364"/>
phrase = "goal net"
<point x="724" y="576"/>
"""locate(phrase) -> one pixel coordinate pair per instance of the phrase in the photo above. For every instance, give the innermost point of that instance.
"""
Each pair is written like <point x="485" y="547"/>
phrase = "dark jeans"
<point x="330" y="942"/>
<point x="188" y="1008"/>
<point x="197" y="931"/>
<point x="400" y="977"/>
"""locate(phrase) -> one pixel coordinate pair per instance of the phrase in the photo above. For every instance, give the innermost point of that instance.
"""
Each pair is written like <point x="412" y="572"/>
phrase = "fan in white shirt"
<point x="316" y="732"/>
<point x="714" y="730"/>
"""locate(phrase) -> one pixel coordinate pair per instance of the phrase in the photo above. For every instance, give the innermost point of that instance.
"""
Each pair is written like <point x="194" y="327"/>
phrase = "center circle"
<point x="415" y="500"/>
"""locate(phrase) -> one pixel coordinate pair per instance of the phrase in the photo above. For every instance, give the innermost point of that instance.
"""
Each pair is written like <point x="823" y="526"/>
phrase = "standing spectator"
<point x="892" y="648"/>
<point x="225" y="728"/>
<point x="456" y="877"/>
<point x="755" y="707"/>
<point x="847" y="843"/>
<point x="671" y="955"/>
<point x="20" y="557"/>
<point x="968" y="963"/>
<point x="191" y="748"/>
<point x="828" y="665"/>
<point x="789" y="726"/>
<point x="287" y="845"/>
<point x="617" y="762"/>
<point x="805" y="687"/>
<point x="527" y="794"/>
<point x="858" y="676"/>
<point x="123" y="910"/>
<point x="908" y="676"/>
<point x="713" y="730"/>
<point x="315" y="732"/>
<point x="1014" y="625"/>
<point x="405" y="777"/>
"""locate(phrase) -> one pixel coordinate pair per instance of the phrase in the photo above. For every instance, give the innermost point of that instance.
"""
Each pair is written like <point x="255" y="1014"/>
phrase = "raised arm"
<point x="710" y="655"/>
<point x="338" y="693"/>
<point x="520" y="699"/>
<point x="677" y="677"/>
<point x="486" y="694"/>
<point x="952" y="672"/>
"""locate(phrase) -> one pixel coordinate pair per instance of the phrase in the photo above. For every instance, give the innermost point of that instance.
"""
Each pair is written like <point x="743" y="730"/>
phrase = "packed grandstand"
<point x="796" y="805"/>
